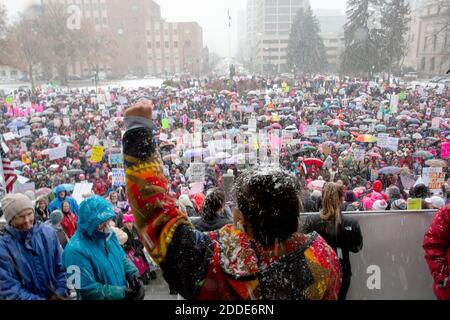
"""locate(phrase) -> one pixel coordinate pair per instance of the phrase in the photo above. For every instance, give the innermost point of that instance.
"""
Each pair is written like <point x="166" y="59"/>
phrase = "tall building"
<point x="142" y="41"/>
<point x="268" y="28"/>
<point x="429" y="39"/>
<point x="332" y="32"/>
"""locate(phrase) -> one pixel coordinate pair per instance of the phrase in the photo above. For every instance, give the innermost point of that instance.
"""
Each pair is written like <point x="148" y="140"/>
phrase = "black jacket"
<point x="204" y="225"/>
<point x="347" y="237"/>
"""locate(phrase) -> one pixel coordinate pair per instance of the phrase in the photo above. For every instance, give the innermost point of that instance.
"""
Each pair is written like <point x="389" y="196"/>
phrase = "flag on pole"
<point x="8" y="172"/>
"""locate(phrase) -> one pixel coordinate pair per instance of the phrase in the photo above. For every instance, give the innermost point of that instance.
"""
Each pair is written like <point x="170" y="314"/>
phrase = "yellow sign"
<point x="97" y="154"/>
<point x="255" y="144"/>
<point x="414" y="204"/>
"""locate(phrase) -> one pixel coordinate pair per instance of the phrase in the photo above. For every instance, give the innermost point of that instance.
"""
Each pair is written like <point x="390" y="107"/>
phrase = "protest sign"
<point x="115" y="159"/>
<point x="22" y="188"/>
<point x="24" y="132"/>
<point x="97" y="154"/>
<point x="445" y="150"/>
<point x="252" y="125"/>
<point x="57" y="123"/>
<point x="57" y="153"/>
<point x="81" y="189"/>
<point x="414" y="204"/>
<point x="407" y="181"/>
<point x="105" y="113"/>
<point x="118" y="177"/>
<point x="394" y="103"/>
<point x="44" y="132"/>
<point x="383" y="140"/>
<point x="8" y="136"/>
<point x="433" y="178"/>
<point x="165" y="123"/>
<point x="393" y="144"/>
<point x="435" y="123"/>
<point x="359" y="154"/>
<point x="197" y="172"/>
<point x="66" y="122"/>
<point x="310" y="131"/>
<point x="23" y="147"/>
<point x="5" y="148"/>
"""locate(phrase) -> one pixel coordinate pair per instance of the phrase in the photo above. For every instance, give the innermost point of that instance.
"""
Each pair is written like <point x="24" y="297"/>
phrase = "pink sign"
<point x="445" y="150"/>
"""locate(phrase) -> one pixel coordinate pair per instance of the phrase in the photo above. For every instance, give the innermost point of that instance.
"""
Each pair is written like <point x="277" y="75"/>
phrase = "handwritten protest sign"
<point x="433" y="178"/>
<point x="435" y="123"/>
<point x="359" y="154"/>
<point x="115" y="159"/>
<point x="310" y="131"/>
<point x="118" y="177"/>
<point x="24" y="132"/>
<point x="394" y="103"/>
<point x="44" y="132"/>
<point x="8" y="136"/>
<point x="57" y="153"/>
<point x="97" y="154"/>
<point x="197" y="172"/>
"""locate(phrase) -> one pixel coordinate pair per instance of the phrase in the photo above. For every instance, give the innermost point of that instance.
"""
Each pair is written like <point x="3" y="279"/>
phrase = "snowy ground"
<point x="158" y="289"/>
<point x="87" y="84"/>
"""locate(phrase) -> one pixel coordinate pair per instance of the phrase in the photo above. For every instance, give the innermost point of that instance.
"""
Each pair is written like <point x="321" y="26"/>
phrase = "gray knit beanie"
<point x="15" y="203"/>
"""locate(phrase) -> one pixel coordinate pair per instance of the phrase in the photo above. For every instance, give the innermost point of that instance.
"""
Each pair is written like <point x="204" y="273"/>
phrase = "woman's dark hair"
<point x="350" y="196"/>
<point x="214" y="201"/>
<point x="269" y="201"/>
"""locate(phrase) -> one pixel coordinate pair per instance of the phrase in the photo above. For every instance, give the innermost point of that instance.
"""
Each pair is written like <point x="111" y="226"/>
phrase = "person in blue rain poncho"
<point x="61" y="196"/>
<point x="94" y="251"/>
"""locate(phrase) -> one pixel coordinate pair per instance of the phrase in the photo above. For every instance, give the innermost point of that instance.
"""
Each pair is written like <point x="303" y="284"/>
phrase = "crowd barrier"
<point x="391" y="265"/>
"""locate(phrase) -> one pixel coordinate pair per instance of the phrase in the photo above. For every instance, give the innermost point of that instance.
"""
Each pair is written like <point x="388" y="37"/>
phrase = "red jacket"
<point x="436" y="244"/>
<point x="69" y="224"/>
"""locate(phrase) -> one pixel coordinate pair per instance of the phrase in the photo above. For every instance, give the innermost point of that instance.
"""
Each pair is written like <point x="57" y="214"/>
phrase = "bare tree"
<point x="26" y="47"/>
<point x="3" y="46"/>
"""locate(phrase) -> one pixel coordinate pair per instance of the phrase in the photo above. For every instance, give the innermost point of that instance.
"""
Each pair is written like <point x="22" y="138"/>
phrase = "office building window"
<point x="432" y="66"/>
<point x="166" y="44"/>
<point x="175" y="44"/>
<point x="422" y="64"/>
<point x="158" y="45"/>
<point x="149" y="45"/>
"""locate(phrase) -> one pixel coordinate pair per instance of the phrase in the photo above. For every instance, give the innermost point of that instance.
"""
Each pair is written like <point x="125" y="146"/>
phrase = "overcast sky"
<point x="210" y="14"/>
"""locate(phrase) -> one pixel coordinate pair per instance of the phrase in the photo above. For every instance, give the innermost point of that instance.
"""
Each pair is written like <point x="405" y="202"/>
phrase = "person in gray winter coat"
<point x="55" y="222"/>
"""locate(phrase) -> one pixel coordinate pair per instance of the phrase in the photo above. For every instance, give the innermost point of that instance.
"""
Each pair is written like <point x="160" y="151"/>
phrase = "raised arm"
<point x="167" y="233"/>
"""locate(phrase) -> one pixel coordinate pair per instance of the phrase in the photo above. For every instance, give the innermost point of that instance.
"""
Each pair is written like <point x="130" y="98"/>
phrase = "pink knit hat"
<point x="128" y="218"/>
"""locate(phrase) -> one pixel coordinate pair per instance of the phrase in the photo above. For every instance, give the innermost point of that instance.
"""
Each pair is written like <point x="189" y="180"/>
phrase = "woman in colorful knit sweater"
<point x="261" y="256"/>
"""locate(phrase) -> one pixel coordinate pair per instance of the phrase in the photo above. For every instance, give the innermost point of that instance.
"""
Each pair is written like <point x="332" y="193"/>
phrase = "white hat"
<point x="436" y="202"/>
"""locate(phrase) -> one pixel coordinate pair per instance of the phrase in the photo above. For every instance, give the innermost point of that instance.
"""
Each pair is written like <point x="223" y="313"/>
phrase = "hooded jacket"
<point x="99" y="256"/>
<point x="225" y="264"/>
<point x="57" y="202"/>
<point x="30" y="264"/>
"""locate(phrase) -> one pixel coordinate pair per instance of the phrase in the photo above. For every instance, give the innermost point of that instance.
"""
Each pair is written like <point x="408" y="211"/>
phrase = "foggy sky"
<point x="210" y="14"/>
